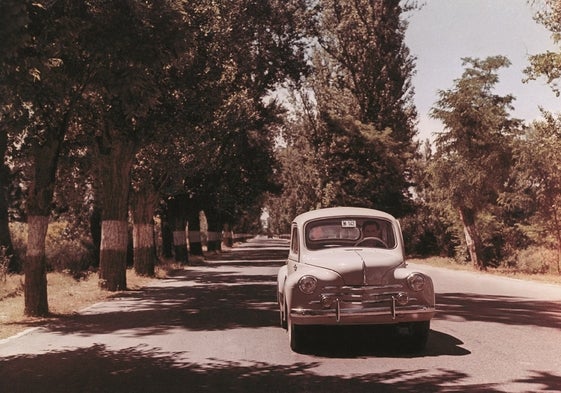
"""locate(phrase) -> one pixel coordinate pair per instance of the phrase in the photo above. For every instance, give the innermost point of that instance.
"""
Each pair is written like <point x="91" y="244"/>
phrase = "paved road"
<point x="213" y="328"/>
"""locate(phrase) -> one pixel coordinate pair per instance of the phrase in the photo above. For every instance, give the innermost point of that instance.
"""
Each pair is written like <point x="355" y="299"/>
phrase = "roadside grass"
<point x="450" y="263"/>
<point x="66" y="296"/>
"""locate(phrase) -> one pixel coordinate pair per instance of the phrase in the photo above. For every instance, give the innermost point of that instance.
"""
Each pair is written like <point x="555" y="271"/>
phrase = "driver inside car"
<point x="372" y="235"/>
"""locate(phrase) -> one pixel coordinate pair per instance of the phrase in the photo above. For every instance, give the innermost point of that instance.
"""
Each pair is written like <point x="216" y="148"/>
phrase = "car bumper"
<point x="390" y="314"/>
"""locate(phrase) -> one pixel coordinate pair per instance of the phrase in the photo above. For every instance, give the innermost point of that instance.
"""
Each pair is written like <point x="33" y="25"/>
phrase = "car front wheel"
<point x="295" y="336"/>
<point x="282" y="314"/>
<point x="419" y="334"/>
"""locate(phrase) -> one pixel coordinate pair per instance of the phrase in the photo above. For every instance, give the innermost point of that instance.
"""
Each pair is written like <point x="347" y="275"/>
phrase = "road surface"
<point x="214" y="328"/>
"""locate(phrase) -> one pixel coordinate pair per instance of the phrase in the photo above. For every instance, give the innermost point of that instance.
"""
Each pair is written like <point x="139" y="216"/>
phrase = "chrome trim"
<point x="338" y="311"/>
<point x="374" y="311"/>
<point x="359" y="295"/>
<point x="339" y="302"/>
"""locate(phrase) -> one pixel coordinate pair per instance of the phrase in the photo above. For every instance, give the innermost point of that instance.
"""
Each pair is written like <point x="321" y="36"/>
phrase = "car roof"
<point x="340" y="211"/>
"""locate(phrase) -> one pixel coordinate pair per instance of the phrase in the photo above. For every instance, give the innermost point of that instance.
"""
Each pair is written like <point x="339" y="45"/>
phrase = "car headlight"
<point x="307" y="284"/>
<point x="416" y="281"/>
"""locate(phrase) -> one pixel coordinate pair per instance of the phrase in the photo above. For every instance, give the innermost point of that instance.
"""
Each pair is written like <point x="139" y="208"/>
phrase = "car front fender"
<point x="294" y="297"/>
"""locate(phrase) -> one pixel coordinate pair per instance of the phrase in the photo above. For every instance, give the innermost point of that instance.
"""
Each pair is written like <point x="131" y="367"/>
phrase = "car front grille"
<point x="361" y="296"/>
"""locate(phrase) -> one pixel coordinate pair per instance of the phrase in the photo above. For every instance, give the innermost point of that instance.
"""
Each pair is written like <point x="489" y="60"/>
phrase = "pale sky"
<point x="445" y="31"/>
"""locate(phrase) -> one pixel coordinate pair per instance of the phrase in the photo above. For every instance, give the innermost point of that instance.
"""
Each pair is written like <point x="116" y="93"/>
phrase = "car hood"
<point x="357" y="266"/>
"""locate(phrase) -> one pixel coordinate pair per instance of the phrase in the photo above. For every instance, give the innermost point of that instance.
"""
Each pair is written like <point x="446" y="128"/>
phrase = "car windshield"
<point x="349" y="232"/>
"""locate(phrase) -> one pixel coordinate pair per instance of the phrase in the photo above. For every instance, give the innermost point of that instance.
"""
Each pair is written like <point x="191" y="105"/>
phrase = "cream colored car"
<point x="346" y="266"/>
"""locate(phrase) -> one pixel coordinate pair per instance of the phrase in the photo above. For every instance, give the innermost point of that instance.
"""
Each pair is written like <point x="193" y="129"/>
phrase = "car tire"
<point x="295" y="336"/>
<point x="282" y="315"/>
<point x="419" y="334"/>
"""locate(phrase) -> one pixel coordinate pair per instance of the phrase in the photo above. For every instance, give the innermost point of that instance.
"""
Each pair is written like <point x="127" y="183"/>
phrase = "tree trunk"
<point x="180" y="243"/>
<point x="95" y="231"/>
<point x="167" y="238"/>
<point x="176" y="213"/>
<point x="557" y="231"/>
<point x="113" y="255"/>
<point x="115" y="162"/>
<point x="38" y="206"/>
<point x="143" y="204"/>
<point x="473" y="240"/>
<point x="144" y="250"/>
<point x="35" y="289"/>
<point x="195" y="241"/>
<point x="5" y="237"/>
<point x="214" y="235"/>
<point x="228" y="236"/>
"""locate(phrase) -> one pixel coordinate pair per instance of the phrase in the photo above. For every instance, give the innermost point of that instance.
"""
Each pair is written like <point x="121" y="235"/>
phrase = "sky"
<point x="445" y="31"/>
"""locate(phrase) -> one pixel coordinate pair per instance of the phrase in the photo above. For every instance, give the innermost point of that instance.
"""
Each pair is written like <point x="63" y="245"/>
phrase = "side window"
<point x="294" y="246"/>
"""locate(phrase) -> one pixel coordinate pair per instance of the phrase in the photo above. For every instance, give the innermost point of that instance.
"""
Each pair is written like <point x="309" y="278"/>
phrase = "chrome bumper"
<point x="373" y="315"/>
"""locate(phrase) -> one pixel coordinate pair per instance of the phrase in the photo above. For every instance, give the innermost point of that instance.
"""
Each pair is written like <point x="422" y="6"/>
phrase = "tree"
<point x="146" y="186"/>
<point x="367" y="40"/>
<point x="148" y="37"/>
<point x="538" y="180"/>
<point x="260" y="45"/>
<point x="548" y="64"/>
<point x="13" y="36"/>
<point x="365" y="114"/>
<point x="46" y="77"/>
<point x="473" y="157"/>
<point x="299" y="167"/>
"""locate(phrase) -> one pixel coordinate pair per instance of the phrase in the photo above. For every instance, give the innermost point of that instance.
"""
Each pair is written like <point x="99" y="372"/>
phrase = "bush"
<point x="537" y="260"/>
<point x="18" y="231"/>
<point x="65" y="250"/>
<point x="4" y="263"/>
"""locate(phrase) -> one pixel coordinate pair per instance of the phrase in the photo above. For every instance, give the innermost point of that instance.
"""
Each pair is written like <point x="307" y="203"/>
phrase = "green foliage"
<point x="428" y="232"/>
<point x="352" y="141"/>
<point x="365" y="39"/>
<point x="537" y="184"/>
<point x="65" y="249"/>
<point x="358" y="164"/>
<point x="478" y="136"/>
<point x="4" y="263"/>
<point x="537" y="260"/>
<point x="299" y="174"/>
<point x="548" y="64"/>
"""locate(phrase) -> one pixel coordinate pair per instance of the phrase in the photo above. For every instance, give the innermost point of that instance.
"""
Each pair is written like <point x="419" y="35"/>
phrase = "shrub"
<point x="18" y="231"/>
<point x="4" y="263"/>
<point x="65" y="250"/>
<point x="537" y="260"/>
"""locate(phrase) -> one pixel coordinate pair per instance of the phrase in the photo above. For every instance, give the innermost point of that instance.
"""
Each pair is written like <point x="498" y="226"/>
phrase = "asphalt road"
<point x="214" y="328"/>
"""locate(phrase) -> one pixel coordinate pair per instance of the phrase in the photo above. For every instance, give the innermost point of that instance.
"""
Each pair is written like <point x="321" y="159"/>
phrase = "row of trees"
<point x="485" y="191"/>
<point x="111" y="107"/>
<point x="115" y="106"/>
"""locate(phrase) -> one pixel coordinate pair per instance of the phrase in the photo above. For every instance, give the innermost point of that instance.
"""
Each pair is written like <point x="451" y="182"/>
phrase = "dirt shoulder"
<point x="66" y="296"/>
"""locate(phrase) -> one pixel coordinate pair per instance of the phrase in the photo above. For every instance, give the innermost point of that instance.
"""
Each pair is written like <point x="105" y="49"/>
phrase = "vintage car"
<point x="346" y="266"/>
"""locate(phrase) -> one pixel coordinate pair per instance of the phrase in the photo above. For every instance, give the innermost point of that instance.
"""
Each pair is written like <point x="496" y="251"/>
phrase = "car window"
<point x="294" y="248"/>
<point x="350" y="231"/>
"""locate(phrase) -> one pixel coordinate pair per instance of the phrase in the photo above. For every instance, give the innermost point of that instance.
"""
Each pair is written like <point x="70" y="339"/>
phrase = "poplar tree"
<point x="366" y="116"/>
<point x="473" y="158"/>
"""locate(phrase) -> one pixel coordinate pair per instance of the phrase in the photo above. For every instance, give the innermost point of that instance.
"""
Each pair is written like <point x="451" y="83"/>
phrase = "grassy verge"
<point x="449" y="263"/>
<point x="66" y="296"/>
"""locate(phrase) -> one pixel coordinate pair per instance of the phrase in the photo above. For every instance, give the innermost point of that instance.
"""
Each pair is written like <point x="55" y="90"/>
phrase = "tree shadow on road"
<point x="140" y="369"/>
<point x="499" y="309"/>
<point x="346" y="342"/>
<point x="215" y="301"/>
<point x="216" y="298"/>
